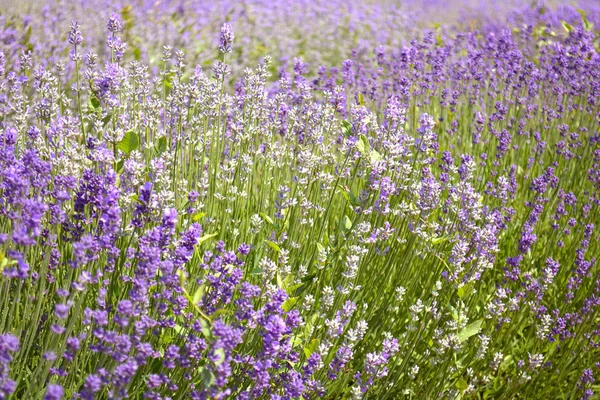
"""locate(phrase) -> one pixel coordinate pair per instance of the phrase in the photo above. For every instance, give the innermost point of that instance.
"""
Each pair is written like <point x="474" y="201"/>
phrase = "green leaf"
<point x="182" y="277"/>
<point x="94" y="104"/>
<point x="168" y="81"/>
<point x="129" y="143"/>
<point x="506" y="363"/>
<point x="220" y="353"/>
<point x="208" y="379"/>
<point x="568" y="28"/>
<point x="205" y="327"/>
<point x="453" y="311"/>
<point x="166" y="339"/>
<point x="296" y="340"/>
<point x="179" y="329"/>
<point x="438" y="39"/>
<point x="257" y="271"/>
<point x="361" y="99"/>
<point x="375" y="156"/>
<point x="461" y="384"/>
<point x="346" y="128"/>
<point x="206" y="237"/>
<point x="310" y="323"/>
<point x="198" y="294"/>
<point x="346" y="223"/>
<point x="465" y="290"/>
<point x="218" y="313"/>
<point x="5" y="261"/>
<point x="363" y="145"/>
<point x="135" y="197"/>
<point x="106" y="120"/>
<point x="291" y="289"/>
<point x="161" y="145"/>
<point x="587" y="25"/>
<point x="345" y="194"/>
<point x="440" y="239"/>
<point x="289" y="303"/>
<point x="310" y="348"/>
<point x="198" y="216"/>
<point x="470" y="330"/>
<point x="353" y="198"/>
<point x="273" y="245"/>
<point x="320" y="247"/>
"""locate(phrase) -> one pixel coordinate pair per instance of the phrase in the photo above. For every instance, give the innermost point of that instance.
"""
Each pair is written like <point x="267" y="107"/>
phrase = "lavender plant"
<point x="389" y="217"/>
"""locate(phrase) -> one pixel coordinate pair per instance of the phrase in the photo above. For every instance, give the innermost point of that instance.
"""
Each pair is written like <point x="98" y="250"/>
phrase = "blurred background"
<point x="320" y="32"/>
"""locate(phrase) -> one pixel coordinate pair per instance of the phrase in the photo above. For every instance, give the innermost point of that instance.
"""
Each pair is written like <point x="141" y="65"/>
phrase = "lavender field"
<point x="315" y="199"/>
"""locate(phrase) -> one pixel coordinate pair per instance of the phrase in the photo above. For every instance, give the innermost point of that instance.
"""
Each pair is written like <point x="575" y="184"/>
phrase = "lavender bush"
<point x="298" y="201"/>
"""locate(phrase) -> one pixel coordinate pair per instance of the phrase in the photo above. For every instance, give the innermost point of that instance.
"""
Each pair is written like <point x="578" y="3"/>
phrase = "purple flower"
<point x="226" y="38"/>
<point x="54" y="392"/>
<point x="114" y="24"/>
<point x="9" y="343"/>
<point x="75" y="37"/>
<point x="62" y="311"/>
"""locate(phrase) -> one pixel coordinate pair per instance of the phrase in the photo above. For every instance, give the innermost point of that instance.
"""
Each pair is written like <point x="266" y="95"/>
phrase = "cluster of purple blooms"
<point x="415" y="219"/>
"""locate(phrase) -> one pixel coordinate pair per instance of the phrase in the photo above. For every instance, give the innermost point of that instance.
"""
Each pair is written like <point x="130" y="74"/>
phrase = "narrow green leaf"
<point x="266" y="218"/>
<point x="440" y="240"/>
<point x="198" y="216"/>
<point x="345" y="194"/>
<point x="273" y="245"/>
<point x="218" y="313"/>
<point x="198" y="294"/>
<point x="181" y="276"/>
<point x="206" y="237"/>
<point x="568" y="28"/>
